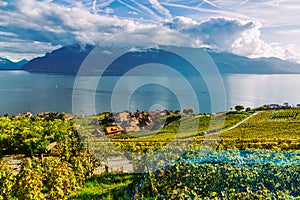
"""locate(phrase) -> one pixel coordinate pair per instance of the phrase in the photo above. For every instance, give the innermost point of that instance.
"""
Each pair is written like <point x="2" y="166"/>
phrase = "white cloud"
<point x="211" y="3"/>
<point x="95" y="9"/>
<point x="43" y="22"/>
<point x="132" y="12"/>
<point x="133" y="9"/>
<point x="218" y="33"/>
<point x="250" y="44"/>
<point x="204" y="12"/>
<point x="3" y="3"/>
<point x="3" y="33"/>
<point x="233" y="35"/>
<point x="290" y="31"/>
<point x="18" y="49"/>
<point x="160" y="8"/>
<point x="108" y="10"/>
<point x="145" y="9"/>
<point x="50" y="25"/>
<point x="105" y="3"/>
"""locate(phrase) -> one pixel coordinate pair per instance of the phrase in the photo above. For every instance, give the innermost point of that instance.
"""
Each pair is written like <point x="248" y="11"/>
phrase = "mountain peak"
<point x="6" y="64"/>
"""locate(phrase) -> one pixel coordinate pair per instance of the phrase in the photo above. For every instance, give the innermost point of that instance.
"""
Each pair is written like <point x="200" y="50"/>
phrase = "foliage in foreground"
<point x="216" y="175"/>
<point x="52" y="178"/>
<point x="231" y="177"/>
<point x="67" y="165"/>
<point x="46" y="173"/>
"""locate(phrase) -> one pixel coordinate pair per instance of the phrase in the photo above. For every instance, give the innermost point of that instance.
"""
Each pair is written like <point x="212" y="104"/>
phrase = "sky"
<point x="253" y="28"/>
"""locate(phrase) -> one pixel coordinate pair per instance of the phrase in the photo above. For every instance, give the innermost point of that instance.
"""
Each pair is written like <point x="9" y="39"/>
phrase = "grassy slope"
<point x="104" y="186"/>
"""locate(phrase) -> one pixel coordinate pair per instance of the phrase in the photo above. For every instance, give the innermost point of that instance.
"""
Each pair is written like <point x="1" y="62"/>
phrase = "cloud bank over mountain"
<point x="29" y="28"/>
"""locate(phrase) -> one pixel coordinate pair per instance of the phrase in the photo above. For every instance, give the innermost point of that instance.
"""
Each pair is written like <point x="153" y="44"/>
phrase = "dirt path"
<point x="241" y="122"/>
<point x="14" y="162"/>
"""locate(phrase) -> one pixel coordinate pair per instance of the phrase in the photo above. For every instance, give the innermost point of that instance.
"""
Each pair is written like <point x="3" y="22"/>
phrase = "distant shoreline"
<point x="119" y="74"/>
<point x="285" y="106"/>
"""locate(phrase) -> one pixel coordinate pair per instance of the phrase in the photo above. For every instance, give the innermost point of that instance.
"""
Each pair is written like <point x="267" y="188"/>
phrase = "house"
<point x="154" y="113"/>
<point x="27" y="114"/>
<point x="131" y="127"/>
<point x="177" y="112"/>
<point x="40" y="114"/>
<point x="135" y="120"/>
<point x="113" y="130"/>
<point x="273" y="106"/>
<point x="67" y="116"/>
<point x="163" y="113"/>
<point x="122" y="116"/>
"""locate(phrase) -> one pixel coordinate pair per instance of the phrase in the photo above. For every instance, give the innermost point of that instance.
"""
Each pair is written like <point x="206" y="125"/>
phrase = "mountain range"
<point x="6" y="64"/>
<point x="68" y="59"/>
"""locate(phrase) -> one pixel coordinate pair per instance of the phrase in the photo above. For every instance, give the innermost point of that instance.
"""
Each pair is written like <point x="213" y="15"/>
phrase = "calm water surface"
<point x="22" y="91"/>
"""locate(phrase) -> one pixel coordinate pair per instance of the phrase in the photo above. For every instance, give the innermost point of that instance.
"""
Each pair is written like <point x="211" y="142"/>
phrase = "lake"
<point x="22" y="91"/>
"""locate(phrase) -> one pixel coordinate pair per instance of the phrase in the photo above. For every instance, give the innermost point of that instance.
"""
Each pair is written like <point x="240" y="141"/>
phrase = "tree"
<point x="286" y="105"/>
<point x="239" y="108"/>
<point x="248" y="109"/>
<point x="188" y="111"/>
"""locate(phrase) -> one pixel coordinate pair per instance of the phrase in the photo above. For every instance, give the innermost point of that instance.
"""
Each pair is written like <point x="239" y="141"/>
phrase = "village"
<point x="126" y="122"/>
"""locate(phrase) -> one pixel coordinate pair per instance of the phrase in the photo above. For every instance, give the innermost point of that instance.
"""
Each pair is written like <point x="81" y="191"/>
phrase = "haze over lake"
<point x="22" y="91"/>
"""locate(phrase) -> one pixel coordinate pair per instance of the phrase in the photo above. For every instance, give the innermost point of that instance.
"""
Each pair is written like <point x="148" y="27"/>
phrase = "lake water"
<point x="22" y="91"/>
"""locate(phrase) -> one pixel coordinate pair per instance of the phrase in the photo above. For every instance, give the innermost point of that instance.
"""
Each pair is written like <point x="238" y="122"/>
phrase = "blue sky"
<point x="254" y="28"/>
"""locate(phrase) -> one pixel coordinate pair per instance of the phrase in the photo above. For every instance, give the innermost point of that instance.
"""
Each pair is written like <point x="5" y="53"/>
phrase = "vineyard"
<point x="54" y="161"/>
<point x="277" y="130"/>
<point x="224" y="175"/>
<point x="196" y="157"/>
<point x="284" y="114"/>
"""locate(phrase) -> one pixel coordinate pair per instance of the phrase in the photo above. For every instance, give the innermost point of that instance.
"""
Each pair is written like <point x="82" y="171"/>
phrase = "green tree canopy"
<point x="239" y="108"/>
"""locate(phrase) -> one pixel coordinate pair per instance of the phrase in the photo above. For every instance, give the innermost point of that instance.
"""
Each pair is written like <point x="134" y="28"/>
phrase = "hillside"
<point x="65" y="60"/>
